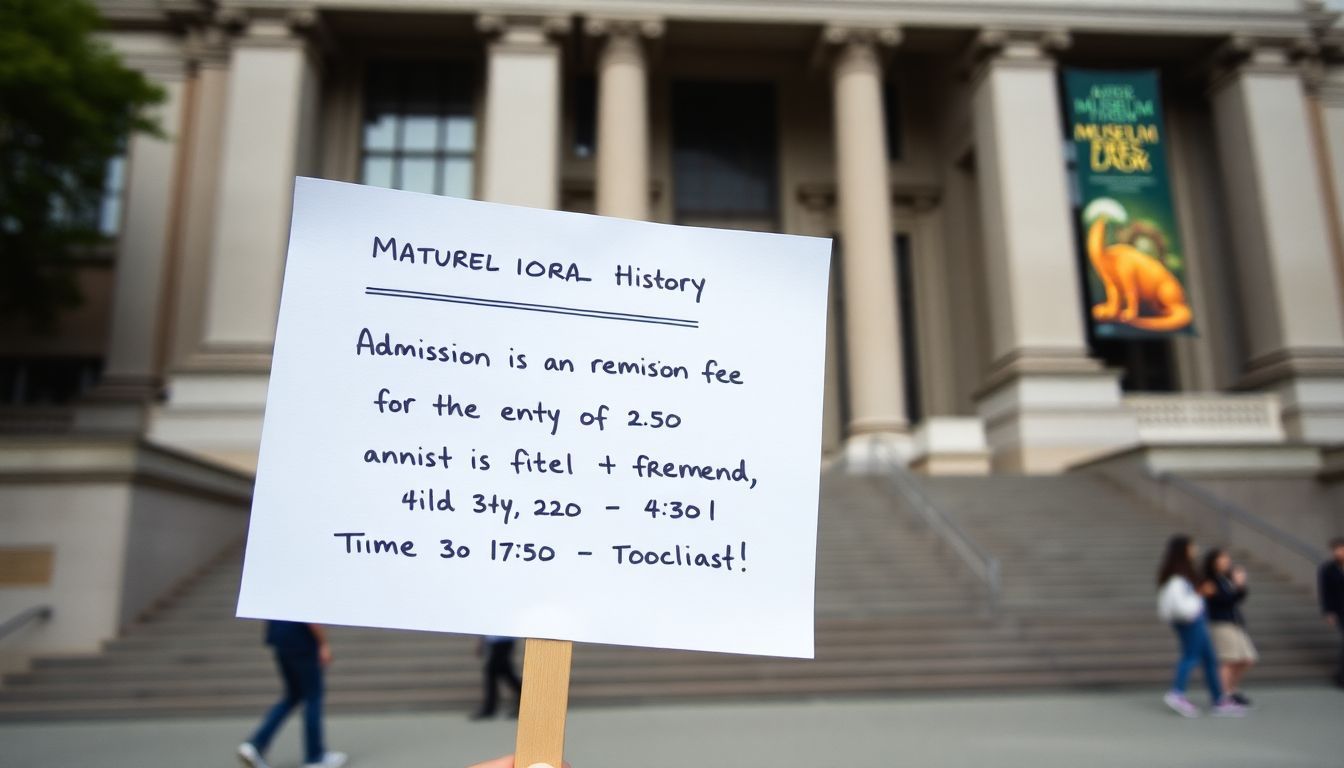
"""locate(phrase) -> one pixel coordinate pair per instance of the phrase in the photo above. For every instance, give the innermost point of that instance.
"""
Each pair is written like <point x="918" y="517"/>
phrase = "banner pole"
<point x="544" y="703"/>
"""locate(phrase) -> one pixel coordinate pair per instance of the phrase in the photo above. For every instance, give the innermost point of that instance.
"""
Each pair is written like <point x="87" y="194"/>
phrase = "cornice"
<point x="1145" y="17"/>
<point x="504" y="24"/>
<point x="820" y="196"/>
<point x="647" y="27"/>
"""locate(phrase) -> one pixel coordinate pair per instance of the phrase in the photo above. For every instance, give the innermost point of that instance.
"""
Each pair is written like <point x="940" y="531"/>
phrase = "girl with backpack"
<point x="1180" y="604"/>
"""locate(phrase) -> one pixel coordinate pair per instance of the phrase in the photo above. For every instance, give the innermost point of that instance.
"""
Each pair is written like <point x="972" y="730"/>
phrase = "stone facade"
<point x="927" y="136"/>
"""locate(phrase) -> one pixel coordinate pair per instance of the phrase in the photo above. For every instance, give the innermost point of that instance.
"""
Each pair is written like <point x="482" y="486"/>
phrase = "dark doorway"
<point x="905" y="294"/>
<point x="724" y="154"/>
<point x="1147" y="363"/>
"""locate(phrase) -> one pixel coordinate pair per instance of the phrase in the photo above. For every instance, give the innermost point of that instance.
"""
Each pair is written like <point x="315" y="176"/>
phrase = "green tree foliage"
<point x="66" y="105"/>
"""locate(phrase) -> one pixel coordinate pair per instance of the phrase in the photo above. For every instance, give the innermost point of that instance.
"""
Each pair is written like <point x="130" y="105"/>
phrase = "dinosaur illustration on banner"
<point x="1140" y="290"/>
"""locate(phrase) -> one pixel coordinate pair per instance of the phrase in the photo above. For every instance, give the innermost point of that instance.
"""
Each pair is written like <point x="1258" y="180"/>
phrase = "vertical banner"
<point x="1131" y="242"/>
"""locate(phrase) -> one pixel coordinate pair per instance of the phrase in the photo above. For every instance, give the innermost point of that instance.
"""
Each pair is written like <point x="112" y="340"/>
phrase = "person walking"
<point x="301" y="653"/>
<point x="498" y="652"/>
<point x="1331" y="589"/>
<point x="1224" y="588"/>
<point x="1180" y="605"/>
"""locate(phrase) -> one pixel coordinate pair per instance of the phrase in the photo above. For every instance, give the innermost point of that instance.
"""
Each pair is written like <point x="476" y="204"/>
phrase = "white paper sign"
<point x="497" y="420"/>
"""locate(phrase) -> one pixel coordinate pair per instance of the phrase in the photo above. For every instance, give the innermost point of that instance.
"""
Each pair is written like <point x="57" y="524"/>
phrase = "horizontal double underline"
<point x="553" y="309"/>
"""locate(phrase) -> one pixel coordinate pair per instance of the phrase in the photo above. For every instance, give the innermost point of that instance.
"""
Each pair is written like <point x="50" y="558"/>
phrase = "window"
<point x="723" y="152"/>
<point x="1147" y="365"/>
<point x="585" y="115"/>
<point x="419" y="127"/>
<point x="891" y="119"/>
<point x="109" y="208"/>
<point x="841" y="331"/>
<point x="905" y="295"/>
<point x="101" y="214"/>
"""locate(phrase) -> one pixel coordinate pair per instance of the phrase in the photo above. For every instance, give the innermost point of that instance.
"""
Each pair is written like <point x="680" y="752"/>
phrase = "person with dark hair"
<point x="1331" y="582"/>
<point x="1224" y="589"/>
<point x="301" y="651"/>
<point x="498" y="652"/>
<point x="1180" y="605"/>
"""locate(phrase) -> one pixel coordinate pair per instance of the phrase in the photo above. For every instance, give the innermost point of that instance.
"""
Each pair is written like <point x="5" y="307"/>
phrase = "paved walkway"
<point x="1291" y="727"/>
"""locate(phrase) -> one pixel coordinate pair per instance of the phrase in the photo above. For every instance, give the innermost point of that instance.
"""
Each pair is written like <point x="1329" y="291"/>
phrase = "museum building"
<point x="931" y="140"/>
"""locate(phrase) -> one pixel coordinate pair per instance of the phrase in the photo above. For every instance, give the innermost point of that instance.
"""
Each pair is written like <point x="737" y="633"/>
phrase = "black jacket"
<point x="1223" y="604"/>
<point x="1331" y="583"/>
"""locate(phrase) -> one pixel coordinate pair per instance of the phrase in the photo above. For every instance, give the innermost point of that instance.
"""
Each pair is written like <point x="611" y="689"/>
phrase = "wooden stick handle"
<point x="545" y="700"/>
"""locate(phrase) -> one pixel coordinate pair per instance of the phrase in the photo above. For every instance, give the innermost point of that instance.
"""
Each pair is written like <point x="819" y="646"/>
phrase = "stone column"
<point x="257" y="133"/>
<point x="863" y="191"/>
<point x="267" y="134"/>
<point x="817" y="204"/>
<point x="623" y="117"/>
<point x="935" y="326"/>
<point x="1045" y="404"/>
<point x="132" y="373"/>
<point x="521" y="141"/>
<point x="1329" y="101"/>
<point x="209" y="49"/>
<point x="1285" y="264"/>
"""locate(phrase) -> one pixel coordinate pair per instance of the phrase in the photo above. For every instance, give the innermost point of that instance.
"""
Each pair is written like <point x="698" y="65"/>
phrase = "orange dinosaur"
<point x="1140" y="291"/>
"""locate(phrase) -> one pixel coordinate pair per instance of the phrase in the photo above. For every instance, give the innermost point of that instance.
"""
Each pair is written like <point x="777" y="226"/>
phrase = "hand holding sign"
<point x="507" y="761"/>
<point x="619" y="446"/>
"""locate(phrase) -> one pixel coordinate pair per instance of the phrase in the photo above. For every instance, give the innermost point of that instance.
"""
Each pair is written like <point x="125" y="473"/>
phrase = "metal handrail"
<point x="983" y="565"/>
<point x="12" y="625"/>
<point x="1229" y="512"/>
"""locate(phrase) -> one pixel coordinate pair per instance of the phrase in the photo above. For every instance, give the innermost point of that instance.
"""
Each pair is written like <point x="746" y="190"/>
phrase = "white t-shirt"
<point x="1178" y="601"/>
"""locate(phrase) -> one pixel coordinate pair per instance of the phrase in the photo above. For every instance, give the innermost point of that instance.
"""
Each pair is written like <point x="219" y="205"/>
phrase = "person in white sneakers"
<point x="1181" y="605"/>
<point x="301" y="653"/>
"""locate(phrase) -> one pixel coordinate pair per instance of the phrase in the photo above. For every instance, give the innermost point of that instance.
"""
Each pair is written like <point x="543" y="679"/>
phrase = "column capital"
<point x="1331" y="43"/>
<point x="885" y="35"/>
<point x="1005" y="43"/>
<point x="275" y="28"/>
<point x="207" y="46"/>
<point x="1330" y="86"/>
<point x="1000" y="46"/>
<point x="523" y="30"/>
<point x="1245" y="54"/>
<point x="646" y="27"/>
<point x="159" y="66"/>
<point x="847" y="47"/>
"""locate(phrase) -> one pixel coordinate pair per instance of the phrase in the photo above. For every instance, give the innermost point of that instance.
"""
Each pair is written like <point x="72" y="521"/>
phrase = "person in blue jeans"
<point x="301" y="651"/>
<point x="1180" y="604"/>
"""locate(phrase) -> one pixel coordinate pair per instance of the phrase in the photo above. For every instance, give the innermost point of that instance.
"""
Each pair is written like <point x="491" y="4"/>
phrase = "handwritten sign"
<point x="496" y="420"/>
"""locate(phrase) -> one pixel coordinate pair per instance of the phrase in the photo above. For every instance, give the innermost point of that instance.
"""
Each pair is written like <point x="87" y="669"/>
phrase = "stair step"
<point x="897" y="611"/>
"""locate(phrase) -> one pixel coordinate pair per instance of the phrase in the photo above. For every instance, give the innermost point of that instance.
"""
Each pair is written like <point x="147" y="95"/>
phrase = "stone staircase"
<point x="896" y="612"/>
<point x="1079" y="558"/>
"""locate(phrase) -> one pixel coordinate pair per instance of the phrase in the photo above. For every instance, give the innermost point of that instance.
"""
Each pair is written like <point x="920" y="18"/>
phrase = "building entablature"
<point x="1274" y="18"/>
